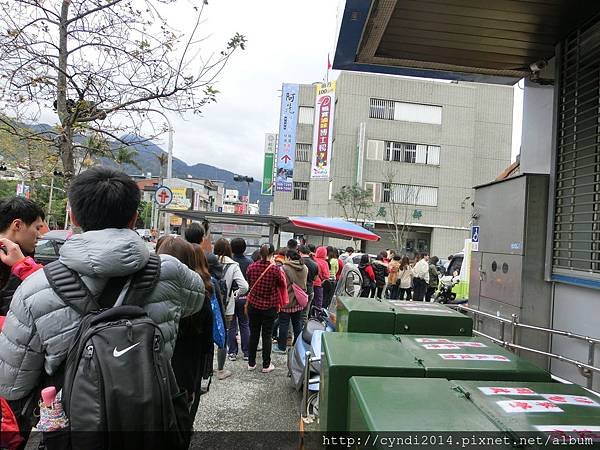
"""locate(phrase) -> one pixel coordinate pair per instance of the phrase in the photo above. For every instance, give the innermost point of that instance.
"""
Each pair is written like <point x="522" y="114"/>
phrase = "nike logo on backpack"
<point x="117" y="353"/>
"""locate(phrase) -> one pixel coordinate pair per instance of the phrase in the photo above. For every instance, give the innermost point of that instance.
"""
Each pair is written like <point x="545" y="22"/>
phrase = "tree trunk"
<point x="65" y="146"/>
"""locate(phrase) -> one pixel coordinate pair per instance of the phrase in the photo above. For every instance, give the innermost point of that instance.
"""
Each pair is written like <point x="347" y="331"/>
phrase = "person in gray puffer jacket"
<point x="39" y="327"/>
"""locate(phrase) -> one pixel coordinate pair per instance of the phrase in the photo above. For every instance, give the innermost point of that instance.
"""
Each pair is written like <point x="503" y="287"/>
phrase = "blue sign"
<point x="515" y="246"/>
<point x="475" y="234"/>
<point x="286" y="149"/>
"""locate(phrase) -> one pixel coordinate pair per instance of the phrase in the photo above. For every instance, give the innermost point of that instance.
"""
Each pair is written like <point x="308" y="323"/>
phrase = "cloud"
<point x="287" y="42"/>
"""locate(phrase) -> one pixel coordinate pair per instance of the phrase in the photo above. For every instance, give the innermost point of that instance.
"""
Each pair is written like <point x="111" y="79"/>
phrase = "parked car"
<point x="47" y="248"/>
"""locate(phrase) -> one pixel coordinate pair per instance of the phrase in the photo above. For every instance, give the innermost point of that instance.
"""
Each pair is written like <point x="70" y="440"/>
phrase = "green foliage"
<point x="355" y="201"/>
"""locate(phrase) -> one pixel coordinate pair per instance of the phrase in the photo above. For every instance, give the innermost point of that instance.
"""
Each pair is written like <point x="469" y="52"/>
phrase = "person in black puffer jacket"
<point x="381" y="271"/>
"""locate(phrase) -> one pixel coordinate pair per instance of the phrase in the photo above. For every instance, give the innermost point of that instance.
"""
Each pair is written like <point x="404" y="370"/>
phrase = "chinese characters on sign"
<point x="514" y="406"/>
<point x="323" y="131"/>
<point x="287" y="138"/>
<point x="506" y="391"/>
<point x="269" y="166"/>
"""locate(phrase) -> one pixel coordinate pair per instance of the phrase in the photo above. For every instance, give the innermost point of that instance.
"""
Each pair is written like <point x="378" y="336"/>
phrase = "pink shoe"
<point x="269" y="369"/>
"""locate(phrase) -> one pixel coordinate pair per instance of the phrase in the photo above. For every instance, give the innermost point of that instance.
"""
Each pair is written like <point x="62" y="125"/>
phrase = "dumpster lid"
<point x="410" y="404"/>
<point x="443" y="356"/>
<point x="553" y="408"/>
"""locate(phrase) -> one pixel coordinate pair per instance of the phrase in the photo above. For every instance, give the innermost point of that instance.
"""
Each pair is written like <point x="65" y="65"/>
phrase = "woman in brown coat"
<point x="296" y="272"/>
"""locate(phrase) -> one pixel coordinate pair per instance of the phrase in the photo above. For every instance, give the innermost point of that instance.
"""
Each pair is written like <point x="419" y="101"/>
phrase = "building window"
<point x="576" y="238"/>
<point x="408" y="194"/>
<point x="306" y="115"/>
<point x="300" y="190"/>
<point x="406" y="112"/>
<point x="303" y="152"/>
<point x="381" y="109"/>
<point x="405" y="152"/>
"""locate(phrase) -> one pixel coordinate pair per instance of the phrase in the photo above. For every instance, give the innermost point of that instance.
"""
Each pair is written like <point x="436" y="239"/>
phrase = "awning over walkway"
<point x="331" y="227"/>
<point x="471" y="40"/>
<point x="315" y="226"/>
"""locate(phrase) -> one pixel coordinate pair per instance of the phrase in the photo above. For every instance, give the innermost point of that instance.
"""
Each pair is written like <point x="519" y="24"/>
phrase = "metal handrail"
<point x="531" y="327"/>
<point x="587" y="369"/>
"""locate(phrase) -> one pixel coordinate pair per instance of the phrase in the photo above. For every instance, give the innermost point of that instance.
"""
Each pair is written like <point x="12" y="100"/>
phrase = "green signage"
<point x="267" y="184"/>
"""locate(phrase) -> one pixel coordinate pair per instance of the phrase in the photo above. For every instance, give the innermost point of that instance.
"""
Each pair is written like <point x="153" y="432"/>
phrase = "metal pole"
<point x="307" y="363"/>
<point x="514" y="330"/>
<point x="248" y="199"/>
<point x="592" y="350"/>
<point x="49" y="213"/>
<point x="169" y="169"/>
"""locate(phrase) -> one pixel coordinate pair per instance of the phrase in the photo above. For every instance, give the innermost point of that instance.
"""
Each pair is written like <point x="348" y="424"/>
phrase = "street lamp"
<point x="248" y="180"/>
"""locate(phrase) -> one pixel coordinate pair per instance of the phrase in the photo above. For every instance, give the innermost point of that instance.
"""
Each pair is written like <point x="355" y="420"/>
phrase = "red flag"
<point x="328" y="62"/>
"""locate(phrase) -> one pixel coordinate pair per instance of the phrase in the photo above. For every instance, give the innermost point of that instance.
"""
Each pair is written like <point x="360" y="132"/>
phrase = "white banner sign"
<point x="473" y="357"/>
<point x="506" y="391"/>
<point x="562" y="399"/>
<point x="323" y="131"/>
<point x="528" y="406"/>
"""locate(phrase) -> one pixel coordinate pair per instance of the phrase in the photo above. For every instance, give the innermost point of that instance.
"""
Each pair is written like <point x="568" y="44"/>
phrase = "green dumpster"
<point x="345" y="355"/>
<point x="349" y="354"/>
<point x="364" y="315"/>
<point x="470" y="358"/>
<point x="409" y="404"/>
<point x="429" y="318"/>
<point x="529" y="415"/>
<point x="555" y="408"/>
<point x="368" y="315"/>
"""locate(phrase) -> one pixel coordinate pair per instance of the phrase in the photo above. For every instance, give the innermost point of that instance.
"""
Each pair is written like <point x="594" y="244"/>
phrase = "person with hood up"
<point x="368" y="277"/>
<point x="381" y="271"/>
<point x="296" y="272"/>
<point x="324" y="273"/>
<point x="236" y="286"/>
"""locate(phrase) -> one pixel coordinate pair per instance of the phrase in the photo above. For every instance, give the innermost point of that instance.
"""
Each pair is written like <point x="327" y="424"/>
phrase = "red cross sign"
<point x="163" y="196"/>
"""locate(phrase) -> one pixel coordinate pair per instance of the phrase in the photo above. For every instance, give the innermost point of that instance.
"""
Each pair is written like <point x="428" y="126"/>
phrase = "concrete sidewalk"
<point x="250" y="401"/>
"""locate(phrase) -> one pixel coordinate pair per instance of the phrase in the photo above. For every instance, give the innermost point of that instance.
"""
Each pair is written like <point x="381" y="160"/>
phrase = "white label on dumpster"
<point x="469" y="344"/>
<point x="516" y="406"/>
<point x="576" y="431"/>
<point x="506" y="391"/>
<point x="421" y="308"/>
<point x="571" y="400"/>
<point x="432" y="340"/>
<point x="473" y="357"/>
<point x="441" y="347"/>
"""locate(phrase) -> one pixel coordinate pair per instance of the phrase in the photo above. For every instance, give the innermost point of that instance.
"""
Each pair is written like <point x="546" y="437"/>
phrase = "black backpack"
<point x="118" y="389"/>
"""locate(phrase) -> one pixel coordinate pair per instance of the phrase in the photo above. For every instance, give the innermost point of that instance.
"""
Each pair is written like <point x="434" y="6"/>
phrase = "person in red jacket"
<point x="324" y="273"/>
<point x="368" y="277"/>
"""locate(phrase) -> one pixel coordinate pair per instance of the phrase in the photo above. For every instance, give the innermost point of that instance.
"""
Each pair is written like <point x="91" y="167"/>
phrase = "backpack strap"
<point x="69" y="287"/>
<point x="144" y="282"/>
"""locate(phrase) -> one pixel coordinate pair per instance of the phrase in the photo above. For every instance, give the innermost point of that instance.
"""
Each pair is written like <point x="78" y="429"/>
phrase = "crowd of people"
<point x="394" y="277"/>
<point x="202" y="296"/>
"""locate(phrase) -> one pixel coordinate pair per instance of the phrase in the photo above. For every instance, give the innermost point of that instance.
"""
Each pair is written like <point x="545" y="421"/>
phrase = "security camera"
<point x="538" y="65"/>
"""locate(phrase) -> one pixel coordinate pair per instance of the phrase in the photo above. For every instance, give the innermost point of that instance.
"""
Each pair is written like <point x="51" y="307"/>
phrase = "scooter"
<point x="445" y="294"/>
<point x="304" y="359"/>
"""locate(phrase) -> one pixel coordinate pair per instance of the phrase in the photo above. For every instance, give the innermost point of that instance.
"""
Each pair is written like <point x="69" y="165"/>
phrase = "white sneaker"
<point x="269" y="369"/>
<point x="222" y="374"/>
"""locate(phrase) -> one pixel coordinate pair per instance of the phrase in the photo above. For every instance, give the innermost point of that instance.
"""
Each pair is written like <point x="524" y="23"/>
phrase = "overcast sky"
<point x="287" y="42"/>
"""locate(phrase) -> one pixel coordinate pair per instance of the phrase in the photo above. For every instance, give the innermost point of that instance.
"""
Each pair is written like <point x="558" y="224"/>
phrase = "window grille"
<point x="300" y="190"/>
<point x="576" y="239"/>
<point x="408" y="194"/>
<point x="303" y="152"/>
<point x="306" y="115"/>
<point x="381" y="109"/>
